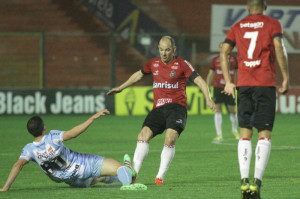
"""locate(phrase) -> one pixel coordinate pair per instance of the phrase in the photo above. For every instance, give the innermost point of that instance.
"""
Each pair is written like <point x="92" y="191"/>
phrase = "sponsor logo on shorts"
<point x="163" y="101"/>
<point x="179" y="121"/>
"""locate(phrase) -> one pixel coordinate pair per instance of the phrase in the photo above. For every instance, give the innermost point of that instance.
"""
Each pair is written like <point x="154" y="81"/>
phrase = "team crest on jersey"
<point x="156" y="72"/>
<point x="172" y="74"/>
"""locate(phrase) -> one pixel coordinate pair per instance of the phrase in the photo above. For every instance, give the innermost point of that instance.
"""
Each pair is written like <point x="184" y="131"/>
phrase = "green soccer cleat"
<point x="218" y="139"/>
<point x="134" y="187"/>
<point x="127" y="163"/>
<point x="245" y="189"/>
<point x="255" y="189"/>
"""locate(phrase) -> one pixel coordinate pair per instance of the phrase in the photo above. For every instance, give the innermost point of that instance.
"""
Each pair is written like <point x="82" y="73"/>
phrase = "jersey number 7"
<point x="253" y="36"/>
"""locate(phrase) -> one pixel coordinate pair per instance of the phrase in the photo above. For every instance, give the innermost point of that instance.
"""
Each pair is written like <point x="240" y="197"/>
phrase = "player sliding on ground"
<point x="61" y="164"/>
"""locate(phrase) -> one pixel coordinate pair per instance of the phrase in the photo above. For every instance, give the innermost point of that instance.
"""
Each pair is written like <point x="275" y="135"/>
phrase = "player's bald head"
<point x="257" y="3"/>
<point x="168" y="39"/>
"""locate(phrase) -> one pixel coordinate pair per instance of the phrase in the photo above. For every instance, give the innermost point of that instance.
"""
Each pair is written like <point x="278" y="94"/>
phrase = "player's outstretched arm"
<point x="204" y="88"/>
<point x="282" y="60"/>
<point x="224" y="53"/>
<point x="77" y="130"/>
<point x="134" y="78"/>
<point x="16" y="169"/>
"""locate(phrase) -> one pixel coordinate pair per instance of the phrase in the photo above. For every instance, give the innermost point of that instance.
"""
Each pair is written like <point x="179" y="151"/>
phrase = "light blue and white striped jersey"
<point x="59" y="162"/>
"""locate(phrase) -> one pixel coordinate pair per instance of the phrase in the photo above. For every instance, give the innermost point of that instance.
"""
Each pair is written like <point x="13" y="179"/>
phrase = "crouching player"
<point x="61" y="164"/>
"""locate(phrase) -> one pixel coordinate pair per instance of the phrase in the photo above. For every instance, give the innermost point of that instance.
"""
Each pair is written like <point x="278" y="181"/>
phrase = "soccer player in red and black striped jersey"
<point x="258" y="39"/>
<point x="169" y="113"/>
<point x="215" y="78"/>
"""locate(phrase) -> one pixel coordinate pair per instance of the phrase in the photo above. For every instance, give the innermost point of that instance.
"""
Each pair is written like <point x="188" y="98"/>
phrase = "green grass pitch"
<point x="199" y="169"/>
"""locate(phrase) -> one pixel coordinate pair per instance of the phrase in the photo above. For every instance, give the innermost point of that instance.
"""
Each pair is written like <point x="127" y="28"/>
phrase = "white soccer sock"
<point x="141" y="152"/>
<point x="218" y="123"/>
<point x="233" y="119"/>
<point x="167" y="155"/>
<point x="262" y="153"/>
<point x="244" y="155"/>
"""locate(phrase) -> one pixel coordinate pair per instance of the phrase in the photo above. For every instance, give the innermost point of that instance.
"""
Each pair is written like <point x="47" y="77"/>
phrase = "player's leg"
<point x="167" y="155"/>
<point x="245" y="114"/>
<point x="218" y="123"/>
<point x="142" y="148"/>
<point x="111" y="167"/>
<point x="233" y="119"/>
<point x="218" y="99"/>
<point x="264" y="119"/>
<point x="176" y="116"/>
<point x="154" y="124"/>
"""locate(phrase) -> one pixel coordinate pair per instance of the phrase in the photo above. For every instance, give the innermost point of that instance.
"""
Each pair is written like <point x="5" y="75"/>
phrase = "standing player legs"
<point x="142" y="148"/>
<point x="233" y="119"/>
<point x="218" y="122"/>
<point x="167" y="155"/>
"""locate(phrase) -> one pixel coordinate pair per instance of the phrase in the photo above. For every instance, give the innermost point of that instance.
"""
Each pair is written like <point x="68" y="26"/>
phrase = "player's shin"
<point x="244" y="156"/>
<point x="262" y="153"/>
<point x="167" y="155"/>
<point x="141" y="152"/>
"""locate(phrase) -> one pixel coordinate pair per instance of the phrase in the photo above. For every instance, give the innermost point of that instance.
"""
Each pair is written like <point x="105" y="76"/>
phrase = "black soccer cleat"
<point x="255" y="189"/>
<point x="245" y="189"/>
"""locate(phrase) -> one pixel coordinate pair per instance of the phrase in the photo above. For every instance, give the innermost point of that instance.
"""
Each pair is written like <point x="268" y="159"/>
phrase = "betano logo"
<point x="252" y="25"/>
<point x="165" y="85"/>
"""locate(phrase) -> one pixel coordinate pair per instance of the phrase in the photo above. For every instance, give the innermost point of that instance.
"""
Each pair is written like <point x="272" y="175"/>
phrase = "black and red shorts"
<point x="220" y="97"/>
<point x="256" y="107"/>
<point x="171" y="116"/>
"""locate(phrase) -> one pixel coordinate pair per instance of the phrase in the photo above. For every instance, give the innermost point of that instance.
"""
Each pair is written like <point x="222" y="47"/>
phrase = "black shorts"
<point x="171" y="116"/>
<point x="220" y="98"/>
<point x="256" y="107"/>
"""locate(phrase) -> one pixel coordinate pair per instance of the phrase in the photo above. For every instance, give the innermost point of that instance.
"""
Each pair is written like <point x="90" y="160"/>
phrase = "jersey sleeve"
<point x="147" y="68"/>
<point x="189" y="71"/>
<point x="230" y="38"/>
<point x="276" y="29"/>
<point x="26" y="153"/>
<point x="57" y="136"/>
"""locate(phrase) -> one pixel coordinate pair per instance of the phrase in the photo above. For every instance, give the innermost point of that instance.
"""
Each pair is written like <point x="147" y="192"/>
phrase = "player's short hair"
<point x="35" y="126"/>
<point x="170" y="38"/>
<point x="254" y="3"/>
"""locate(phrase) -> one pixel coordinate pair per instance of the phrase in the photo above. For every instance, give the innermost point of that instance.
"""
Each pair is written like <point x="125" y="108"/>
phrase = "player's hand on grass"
<point x="114" y="91"/>
<point x="229" y="89"/>
<point x="284" y="87"/>
<point x="2" y="189"/>
<point x="101" y="113"/>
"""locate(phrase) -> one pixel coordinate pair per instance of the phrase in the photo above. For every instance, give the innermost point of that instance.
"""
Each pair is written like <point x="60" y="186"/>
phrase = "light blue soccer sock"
<point x="124" y="175"/>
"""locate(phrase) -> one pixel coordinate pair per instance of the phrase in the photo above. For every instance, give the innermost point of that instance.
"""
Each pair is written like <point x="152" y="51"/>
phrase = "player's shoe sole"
<point x="134" y="187"/>
<point x="159" y="181"/>
<point x="127" y="163"/>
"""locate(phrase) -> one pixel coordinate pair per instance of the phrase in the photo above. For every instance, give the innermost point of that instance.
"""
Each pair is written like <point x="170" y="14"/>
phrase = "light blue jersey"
<point x="62" y="164"/>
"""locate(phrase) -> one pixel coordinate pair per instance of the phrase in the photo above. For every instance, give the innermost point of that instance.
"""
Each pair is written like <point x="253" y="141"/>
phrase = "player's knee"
<point x="145" y="135"/>
<point x="171" y="137"/>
